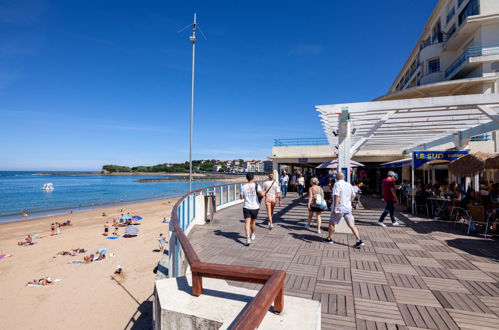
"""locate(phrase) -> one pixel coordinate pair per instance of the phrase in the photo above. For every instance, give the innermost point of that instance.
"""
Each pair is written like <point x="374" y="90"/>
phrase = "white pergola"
<point x="409" y="124"/>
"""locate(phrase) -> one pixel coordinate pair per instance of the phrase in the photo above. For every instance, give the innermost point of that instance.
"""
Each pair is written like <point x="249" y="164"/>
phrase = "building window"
<point x="450" y="15"/>
<point x="433" y="65"/>
<point x="472" y="8"/>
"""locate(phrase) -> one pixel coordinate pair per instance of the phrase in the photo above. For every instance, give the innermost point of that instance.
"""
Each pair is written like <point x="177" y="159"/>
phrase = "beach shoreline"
<point x="85" y="289"/>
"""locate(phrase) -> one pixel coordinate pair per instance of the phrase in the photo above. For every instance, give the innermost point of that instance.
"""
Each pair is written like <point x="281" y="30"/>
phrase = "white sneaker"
<point x="248" y="241"/>
<point x="395" y="223"/>
<point x="381" y="224"/>
<point x="318" y="231"/>
<point x="271" y="226"/>
<point x="253" y="236"/>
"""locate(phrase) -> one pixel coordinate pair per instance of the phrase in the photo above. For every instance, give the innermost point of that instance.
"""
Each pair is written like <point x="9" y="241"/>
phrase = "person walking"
<point x="57" y="228"/>
<point x="390" y="197"/>
<point x="106" y="228"/>
<point x="313" y="195"/>
<point x="272" y="193"/>
<point x="284" y="184"/>
<point x="161" y="241"/>
<point x="250" y="192"/>
<point x="300" y="184"/>
<point x="343" y="195"/>
<point x="115" y="231"/>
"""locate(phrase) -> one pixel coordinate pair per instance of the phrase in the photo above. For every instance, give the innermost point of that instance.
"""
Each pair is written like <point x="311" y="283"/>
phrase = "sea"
<point x="21" y="191"/>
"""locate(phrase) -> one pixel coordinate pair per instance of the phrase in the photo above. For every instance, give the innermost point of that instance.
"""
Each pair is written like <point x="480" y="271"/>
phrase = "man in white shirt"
<point x="343" y="194"/>
<point x="284" y="183"/>
<point x="251" y="206"/>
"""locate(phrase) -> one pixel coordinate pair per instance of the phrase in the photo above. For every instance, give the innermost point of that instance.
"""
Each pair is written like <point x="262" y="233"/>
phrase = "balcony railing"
<point x="300" y="142"/>
<point x="182" y="220"/>
<point x="473" y="51"/>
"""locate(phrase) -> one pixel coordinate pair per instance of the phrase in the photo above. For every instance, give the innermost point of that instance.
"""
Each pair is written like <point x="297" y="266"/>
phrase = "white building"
<point x="457" y="54"/>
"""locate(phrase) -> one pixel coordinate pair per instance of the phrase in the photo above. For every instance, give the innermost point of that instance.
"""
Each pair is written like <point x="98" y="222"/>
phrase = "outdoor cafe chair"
<point x="477" y="216"/>
<point x="459" y="215"/>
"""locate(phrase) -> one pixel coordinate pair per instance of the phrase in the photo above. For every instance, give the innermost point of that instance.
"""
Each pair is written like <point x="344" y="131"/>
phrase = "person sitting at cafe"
<point x="494" y="193"/>
<point x="469" y="198"/>
<point x="456" y="194"/>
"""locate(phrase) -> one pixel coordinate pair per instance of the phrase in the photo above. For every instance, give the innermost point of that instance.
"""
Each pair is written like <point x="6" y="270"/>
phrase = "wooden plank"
<point x="411" y="296"/>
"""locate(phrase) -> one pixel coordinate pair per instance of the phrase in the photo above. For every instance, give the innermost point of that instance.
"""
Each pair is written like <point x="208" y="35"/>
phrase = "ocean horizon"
<point x="22" y="191"/>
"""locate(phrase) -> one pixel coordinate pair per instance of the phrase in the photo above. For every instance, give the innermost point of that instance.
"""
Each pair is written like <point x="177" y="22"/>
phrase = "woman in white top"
<point x="272" y="193"/>
<point x="313" y="191"/>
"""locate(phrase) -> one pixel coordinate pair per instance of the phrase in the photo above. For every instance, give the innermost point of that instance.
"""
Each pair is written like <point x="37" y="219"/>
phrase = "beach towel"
<point x="76" y="262"/>
<point x="3" y="256"/>
<point x="28" y="244"/>
<point x="113" y="237"/>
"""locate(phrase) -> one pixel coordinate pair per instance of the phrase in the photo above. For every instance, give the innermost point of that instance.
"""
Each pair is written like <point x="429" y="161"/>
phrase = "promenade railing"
<point x="189" y="211"/>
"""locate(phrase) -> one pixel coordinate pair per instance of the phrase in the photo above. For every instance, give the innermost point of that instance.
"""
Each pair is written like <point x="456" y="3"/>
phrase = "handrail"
<point x="272" y="280"/>
<point x="472" y="51"/>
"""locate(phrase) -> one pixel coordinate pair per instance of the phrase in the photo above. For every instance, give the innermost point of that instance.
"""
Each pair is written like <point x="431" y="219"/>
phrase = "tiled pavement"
<point x="424" y="274"/>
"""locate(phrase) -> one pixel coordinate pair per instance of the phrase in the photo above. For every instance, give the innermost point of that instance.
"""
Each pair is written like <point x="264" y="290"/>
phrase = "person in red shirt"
<point x="390" y="197"/>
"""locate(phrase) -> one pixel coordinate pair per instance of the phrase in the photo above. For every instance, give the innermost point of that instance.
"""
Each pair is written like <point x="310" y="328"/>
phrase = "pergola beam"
<point x="371" y="132"/>
<point x="489" y="112"/>
<point x="470" y="132"/>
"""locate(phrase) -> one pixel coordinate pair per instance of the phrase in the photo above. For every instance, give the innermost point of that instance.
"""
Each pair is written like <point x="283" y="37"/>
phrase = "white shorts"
<point x="335" y="218"/>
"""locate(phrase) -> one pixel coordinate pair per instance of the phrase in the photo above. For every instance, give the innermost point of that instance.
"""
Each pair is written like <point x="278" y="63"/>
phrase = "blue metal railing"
<point x="482" y="137"/>
<point x="186" y="213"/>
<point x="472" y="51"/>
<point x="300" y="142"/>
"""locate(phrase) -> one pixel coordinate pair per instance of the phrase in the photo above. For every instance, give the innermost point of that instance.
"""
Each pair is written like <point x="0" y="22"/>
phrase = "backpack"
<point x="257" y="194"/>
<point x="318" y="201"/>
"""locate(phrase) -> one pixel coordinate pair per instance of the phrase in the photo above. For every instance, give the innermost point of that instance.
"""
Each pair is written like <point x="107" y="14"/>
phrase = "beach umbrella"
<point x="469" y="165"/>
<point x="333" y="164"/>
<point x="131" y="230"/>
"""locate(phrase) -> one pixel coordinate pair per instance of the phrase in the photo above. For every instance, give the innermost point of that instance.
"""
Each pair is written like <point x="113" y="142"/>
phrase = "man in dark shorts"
<point x="390" y="197"/>
<point x="251" y="206"/>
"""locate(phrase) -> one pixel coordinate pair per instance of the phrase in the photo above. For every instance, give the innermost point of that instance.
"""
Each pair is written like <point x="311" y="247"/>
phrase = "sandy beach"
<point x="87" y="297"/>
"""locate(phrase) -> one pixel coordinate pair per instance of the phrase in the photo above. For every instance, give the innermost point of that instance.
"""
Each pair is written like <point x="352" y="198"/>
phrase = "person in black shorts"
<point x="251" y="206"/>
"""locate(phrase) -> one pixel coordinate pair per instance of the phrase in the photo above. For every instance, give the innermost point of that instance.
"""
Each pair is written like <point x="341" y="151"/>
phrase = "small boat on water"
<point x="48" y="187"/>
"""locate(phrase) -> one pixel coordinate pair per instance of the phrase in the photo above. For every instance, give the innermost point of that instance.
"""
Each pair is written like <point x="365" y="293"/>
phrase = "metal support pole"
<point x="193" y="39"/>
<point x="344" y="143"/>
<point x="413" y="191"/>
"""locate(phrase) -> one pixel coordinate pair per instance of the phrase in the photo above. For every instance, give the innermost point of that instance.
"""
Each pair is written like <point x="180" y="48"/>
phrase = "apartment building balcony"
<point x="432" y="77"/>
<point x="467" y="28"/>
<point x="430" y="51"/>
<point x="471" y="58"/>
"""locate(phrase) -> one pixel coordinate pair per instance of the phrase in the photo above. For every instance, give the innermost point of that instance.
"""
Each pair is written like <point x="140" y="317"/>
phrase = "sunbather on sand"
<point x="43" y="281"/>
<point x="28" y="240"/>
<point x="89" y="258"/>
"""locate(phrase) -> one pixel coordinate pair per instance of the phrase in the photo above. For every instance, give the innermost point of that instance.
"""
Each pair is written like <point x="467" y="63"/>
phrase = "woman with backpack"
<point x="272" y="193"/>
<point x="316" y="203"/>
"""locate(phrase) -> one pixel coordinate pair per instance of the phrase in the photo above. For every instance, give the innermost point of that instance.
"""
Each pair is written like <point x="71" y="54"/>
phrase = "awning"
<point x="412" y="124"/>
<point x="398" y="163"/>
<point x="333" y="164"/>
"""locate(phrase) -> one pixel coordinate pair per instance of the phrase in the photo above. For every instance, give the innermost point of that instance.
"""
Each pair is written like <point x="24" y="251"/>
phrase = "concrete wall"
<point x="488" y="7"/>
<point x="303" y="152"/>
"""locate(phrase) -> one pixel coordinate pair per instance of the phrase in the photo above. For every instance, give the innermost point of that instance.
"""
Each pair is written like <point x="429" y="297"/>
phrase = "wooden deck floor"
<point x="424" y="274"/>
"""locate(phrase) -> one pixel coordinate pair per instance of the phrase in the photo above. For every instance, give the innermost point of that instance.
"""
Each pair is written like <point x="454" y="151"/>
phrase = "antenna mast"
<point x="193" y="39"/>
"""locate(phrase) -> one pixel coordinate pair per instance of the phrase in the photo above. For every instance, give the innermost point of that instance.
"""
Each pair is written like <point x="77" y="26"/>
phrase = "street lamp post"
<point x="193" y="39"/>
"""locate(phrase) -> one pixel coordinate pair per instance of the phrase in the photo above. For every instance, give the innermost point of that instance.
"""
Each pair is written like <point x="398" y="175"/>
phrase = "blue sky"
<point x="87" y="83"/>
